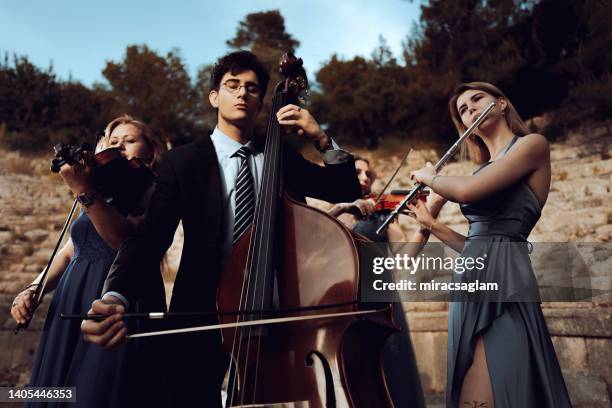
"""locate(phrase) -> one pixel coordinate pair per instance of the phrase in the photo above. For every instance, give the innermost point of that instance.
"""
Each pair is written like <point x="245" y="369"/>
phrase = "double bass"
<point x="303" y="264"/>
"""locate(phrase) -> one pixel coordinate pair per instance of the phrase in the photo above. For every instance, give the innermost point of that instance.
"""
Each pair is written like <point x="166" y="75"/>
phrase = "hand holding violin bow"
<point x="23" y="305"/>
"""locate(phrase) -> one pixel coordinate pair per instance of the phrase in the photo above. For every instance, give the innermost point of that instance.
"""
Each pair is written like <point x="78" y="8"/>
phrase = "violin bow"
<point x="393" y="176"/>
<point x="170" y="315"/>
<point x="259" y="322"/>
<point x="42" y="284"/>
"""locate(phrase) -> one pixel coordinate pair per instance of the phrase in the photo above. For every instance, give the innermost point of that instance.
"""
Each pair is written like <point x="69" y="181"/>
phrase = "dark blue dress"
<point x="521" y="360"/>
<point x="399" y="362"/>
<point x="63" y="357"/>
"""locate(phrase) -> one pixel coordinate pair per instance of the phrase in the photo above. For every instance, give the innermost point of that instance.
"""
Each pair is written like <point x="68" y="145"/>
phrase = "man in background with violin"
<point x="364" y="216"/>
<point x="202" y="184"/>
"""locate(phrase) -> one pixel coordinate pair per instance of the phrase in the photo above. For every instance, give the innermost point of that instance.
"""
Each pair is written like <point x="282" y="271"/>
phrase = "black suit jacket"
<point x="188" y="188"/>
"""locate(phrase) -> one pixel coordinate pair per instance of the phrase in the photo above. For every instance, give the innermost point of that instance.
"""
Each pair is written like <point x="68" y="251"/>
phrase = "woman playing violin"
<point x="77" y="275"/>
<point x="364" y="216"/>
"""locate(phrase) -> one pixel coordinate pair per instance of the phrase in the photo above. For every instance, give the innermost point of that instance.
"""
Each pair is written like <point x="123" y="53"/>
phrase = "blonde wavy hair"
<point x="474" y="147"/>
<point x="146" y="132"/>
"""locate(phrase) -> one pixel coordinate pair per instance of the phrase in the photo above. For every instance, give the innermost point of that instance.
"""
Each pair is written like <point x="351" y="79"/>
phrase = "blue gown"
<point x="399" y="361"/>
<point x="63" y="357"/>
<point x="521" y="360"/>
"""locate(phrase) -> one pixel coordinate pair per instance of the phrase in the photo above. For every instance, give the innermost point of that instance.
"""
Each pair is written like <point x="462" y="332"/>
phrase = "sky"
<point x="78" y="36"/>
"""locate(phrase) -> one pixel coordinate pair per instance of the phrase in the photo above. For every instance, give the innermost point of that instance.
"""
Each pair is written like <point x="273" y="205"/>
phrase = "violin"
<point x="121" y="181"/>
<point x="388" y="202"/>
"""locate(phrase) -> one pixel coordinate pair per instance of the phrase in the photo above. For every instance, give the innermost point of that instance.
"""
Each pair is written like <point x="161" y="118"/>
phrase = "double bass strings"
<point x="258" y="257"/>
<point x="275" y="143"/>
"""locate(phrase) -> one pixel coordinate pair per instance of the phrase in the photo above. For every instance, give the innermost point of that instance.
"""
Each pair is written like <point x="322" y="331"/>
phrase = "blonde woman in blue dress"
<point x="77" y="274"/>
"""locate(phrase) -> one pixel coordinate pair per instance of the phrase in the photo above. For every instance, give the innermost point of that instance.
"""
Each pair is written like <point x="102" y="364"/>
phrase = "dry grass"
<point x="36" y="165"/>
<point x="16" y="164"/>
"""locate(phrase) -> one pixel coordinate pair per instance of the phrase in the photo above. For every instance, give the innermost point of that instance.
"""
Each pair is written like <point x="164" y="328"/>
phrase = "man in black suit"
<point x="197" y="184"/>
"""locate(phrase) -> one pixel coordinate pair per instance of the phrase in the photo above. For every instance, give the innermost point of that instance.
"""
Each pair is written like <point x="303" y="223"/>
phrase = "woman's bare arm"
<point x="449" y="236"/>
<point x="111" y="225"/>
<point x="434" y="205"/>
<point x="527" y="155"/>
<point x="22" y="307"/>
<point x="428" y="223"/>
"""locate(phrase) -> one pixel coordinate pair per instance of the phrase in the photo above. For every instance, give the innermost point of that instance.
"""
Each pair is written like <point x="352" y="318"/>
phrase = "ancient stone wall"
<point x="33" y="205"/>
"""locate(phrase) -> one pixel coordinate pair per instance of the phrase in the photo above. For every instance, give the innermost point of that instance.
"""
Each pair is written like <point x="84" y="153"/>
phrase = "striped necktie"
<point x="245" y="195"/>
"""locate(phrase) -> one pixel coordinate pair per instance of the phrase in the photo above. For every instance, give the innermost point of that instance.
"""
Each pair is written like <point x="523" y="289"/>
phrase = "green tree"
<point x="463" y="41"/>
<point x="79" y="115"/>
<point x="574" y="38"/>
<point x="359" y="99"/>
<point x="29" y="99"/>
<point x="264" y="34"/>
<point x="155" y="89"/>
<point x="206" y="115"/>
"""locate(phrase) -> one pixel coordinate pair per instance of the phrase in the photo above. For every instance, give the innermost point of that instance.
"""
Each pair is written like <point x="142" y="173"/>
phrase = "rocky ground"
<point x="34" y="203"/>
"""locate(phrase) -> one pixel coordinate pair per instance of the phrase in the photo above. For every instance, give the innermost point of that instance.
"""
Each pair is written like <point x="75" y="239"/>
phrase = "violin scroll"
<point x="68" y="154"/>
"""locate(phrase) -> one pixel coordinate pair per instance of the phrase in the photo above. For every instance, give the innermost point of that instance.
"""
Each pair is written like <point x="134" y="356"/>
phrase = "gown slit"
<point x="521" y="360"/>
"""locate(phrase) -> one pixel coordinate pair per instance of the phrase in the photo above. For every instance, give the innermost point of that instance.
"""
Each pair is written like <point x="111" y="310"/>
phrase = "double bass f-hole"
<point x="330" y="394"/>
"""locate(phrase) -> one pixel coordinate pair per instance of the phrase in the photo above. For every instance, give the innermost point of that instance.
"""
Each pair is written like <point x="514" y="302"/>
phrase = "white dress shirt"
<point x="226" y="147"/>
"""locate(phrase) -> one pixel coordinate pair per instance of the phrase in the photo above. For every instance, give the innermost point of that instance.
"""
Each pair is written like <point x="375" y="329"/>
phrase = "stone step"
<point x="586" y="390"/>
<point x="580" y="170"/>
<point x="571" y="321"/>
<point x="571" y="155"/>
<point x="594" y="322"/>
<point x="577" y="188"/>
<point x="581" y="221"/>
<point x="568" y="200"/>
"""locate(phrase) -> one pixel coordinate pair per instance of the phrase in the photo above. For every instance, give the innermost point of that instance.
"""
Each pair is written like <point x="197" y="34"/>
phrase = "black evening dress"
<point x="521" y="360"/>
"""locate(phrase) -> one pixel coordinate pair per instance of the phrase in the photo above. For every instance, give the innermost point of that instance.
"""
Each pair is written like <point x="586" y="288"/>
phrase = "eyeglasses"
<point x="233" y="86"/>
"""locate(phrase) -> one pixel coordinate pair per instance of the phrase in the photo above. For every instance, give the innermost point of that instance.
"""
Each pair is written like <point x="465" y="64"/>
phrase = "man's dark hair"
<point x="236" y="62"/>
